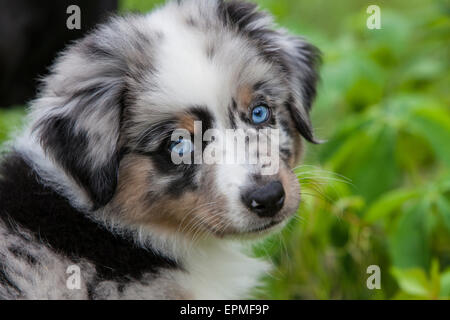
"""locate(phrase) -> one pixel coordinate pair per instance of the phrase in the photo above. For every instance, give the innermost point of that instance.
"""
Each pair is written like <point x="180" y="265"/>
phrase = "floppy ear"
<point x="301" y="61"/>
<point x="78" y="116"/>
<point x="298" y="59"/>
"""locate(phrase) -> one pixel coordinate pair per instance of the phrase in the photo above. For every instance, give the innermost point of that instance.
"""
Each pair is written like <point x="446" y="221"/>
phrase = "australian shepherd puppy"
<point x="92" y="203"/>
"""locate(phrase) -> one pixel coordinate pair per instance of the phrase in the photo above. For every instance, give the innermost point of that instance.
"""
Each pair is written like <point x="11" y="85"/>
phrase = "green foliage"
<point x="415" y="284"/>
<point x="384" y="107"/>
<point x="138" y="5"/>
<point x="378" y="192"/>
<point x="10" y="121"/>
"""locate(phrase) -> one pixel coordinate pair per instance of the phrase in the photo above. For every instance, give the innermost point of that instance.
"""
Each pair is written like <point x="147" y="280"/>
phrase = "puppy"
<point x="92" y="202"/>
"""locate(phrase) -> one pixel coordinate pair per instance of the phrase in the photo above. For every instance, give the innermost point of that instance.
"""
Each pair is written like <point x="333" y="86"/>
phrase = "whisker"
<point x="324" y="178"/>
<point x="321" y="170"/>
<point x="318" y="196"/>
<point x="317" y="189"/>
<point x="211" y="219"/>
<point x="319" y="185"/>
<point x="298" y="218"/>
<point x="191" y="211"/>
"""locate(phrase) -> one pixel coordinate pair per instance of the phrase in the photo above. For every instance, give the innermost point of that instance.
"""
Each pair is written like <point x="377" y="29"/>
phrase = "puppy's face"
<point x="170" y="86"/>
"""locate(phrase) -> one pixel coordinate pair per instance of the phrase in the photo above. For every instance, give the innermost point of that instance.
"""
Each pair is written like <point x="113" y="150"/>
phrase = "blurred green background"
<point x="378" y="192"/>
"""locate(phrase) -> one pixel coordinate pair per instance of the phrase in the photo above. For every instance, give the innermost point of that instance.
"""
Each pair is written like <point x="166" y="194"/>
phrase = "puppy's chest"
<point x="221" y="273"/>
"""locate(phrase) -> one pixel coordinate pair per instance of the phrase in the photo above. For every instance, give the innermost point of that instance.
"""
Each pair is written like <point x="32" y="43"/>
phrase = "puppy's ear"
<point x="297" y="58"/>
<point x="78" y="115"/>
<point x="301" y="61"/>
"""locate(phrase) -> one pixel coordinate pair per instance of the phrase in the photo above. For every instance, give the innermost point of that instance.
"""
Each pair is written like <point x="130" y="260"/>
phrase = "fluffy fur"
<point x="90" y="181"/>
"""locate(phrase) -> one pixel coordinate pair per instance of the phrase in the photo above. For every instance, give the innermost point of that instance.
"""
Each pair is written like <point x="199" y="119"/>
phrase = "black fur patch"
<point x="286" y="153"/>
<point x="232" y="110"/>
<point x="20" y="253"/>
<point x="48" y="216"/>
<point x="70" y="148"/>
<point x="284" y="124"/>
<point x="232" y="119"/>
<point x="202" y="114"/>
<point x="6" y="282"/>
<point x="304" y="66"/>
<point x="239" y="14"/>
<point x="302" y="127"/>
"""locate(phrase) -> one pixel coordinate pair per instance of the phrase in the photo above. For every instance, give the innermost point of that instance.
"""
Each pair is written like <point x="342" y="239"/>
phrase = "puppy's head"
<point x="123" y="101"/>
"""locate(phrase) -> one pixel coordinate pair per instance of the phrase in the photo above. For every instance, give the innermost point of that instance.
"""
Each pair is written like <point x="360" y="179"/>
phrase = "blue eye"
<point x="181" y="147"/>
<point x="260" y="114"/>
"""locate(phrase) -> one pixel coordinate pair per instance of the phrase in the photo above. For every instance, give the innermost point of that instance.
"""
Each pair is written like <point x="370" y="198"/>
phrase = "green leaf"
<point x="409" y="242"/>
<point x="364" y="156"/>
<point x="388" y="203"/>
<point x="445" y="285"/>
<point x="375" y="159"/>
<point x="434" y="125"/>
<point x="435" y="278"/>
<point x="444" y="207"/>
<point x="412" y="281"/>
<point x="338" y="138"/>
<point x="345" y="152"/>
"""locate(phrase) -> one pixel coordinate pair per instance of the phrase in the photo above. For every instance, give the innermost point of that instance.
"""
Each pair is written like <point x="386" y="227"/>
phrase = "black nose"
<point x="265" y="201"/>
